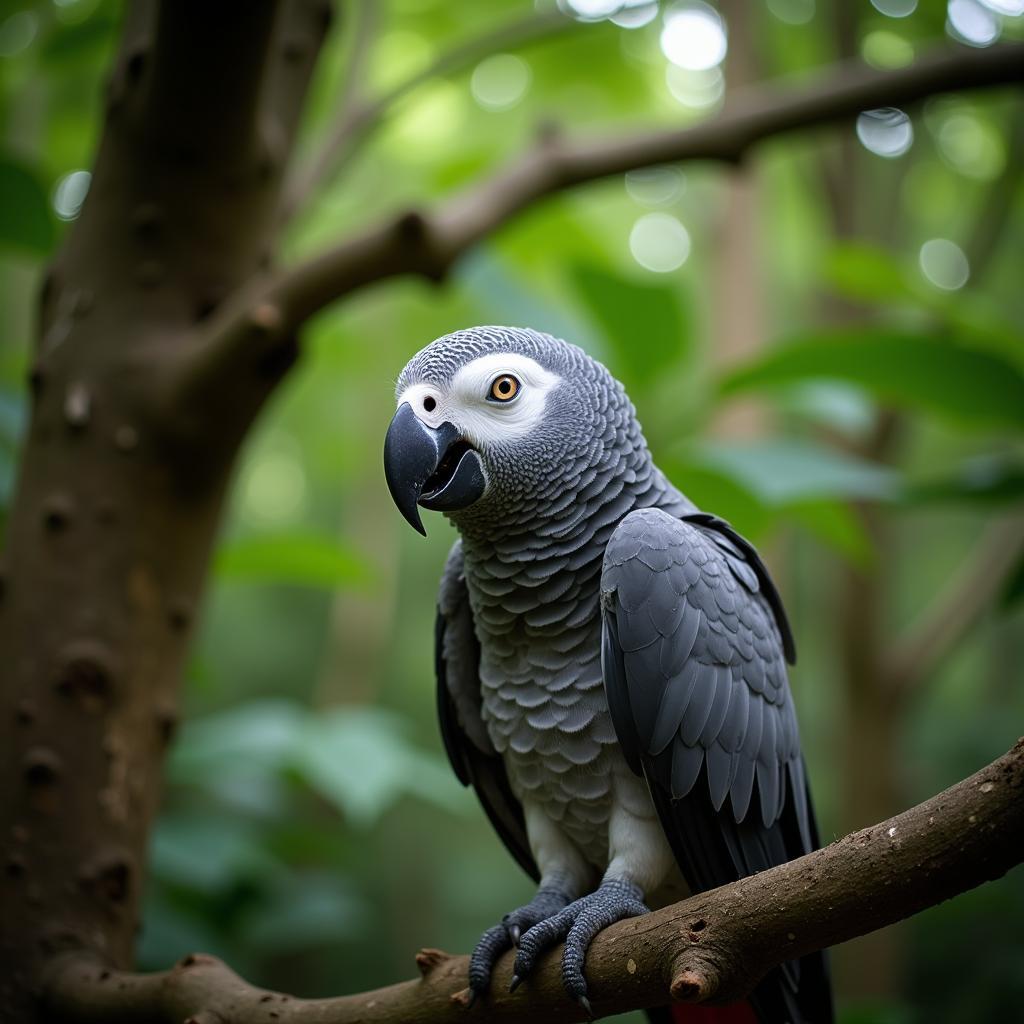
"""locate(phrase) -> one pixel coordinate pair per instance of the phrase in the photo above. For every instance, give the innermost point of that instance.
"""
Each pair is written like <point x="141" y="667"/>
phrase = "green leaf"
<point x="1013" y="590"/>
<point x="643" y="323"/>
<point x="867" y="273"/>
<point x="984" y="478"/>
<point x="361" y="760"/>
<point x="304" y="559"/>
<point x="721" y="493"/>
<point x="209" y="853"/>
<point x="82" y="42"/>
<point x="969" y="386"/>
<point x="303" y="911"/>
<point x="25" y="221"/>
<point x="837" y="525"/>
<point x="258" y="736"/>
<point x="782" y="472"/>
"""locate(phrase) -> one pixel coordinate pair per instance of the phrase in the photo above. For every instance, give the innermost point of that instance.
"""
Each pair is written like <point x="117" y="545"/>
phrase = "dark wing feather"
<point x="476" y="763"/>
<point x="693" y="658"/>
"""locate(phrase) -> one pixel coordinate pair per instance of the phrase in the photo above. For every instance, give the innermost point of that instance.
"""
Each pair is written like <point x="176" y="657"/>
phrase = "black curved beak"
<point x="435" y="468"/>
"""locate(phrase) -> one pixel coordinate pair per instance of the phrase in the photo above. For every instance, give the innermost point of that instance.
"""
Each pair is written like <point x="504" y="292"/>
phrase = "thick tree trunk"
<point x="121" y="485"/>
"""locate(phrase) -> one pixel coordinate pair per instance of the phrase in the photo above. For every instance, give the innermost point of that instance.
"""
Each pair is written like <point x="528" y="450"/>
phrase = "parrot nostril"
<point x="429" y="404"/>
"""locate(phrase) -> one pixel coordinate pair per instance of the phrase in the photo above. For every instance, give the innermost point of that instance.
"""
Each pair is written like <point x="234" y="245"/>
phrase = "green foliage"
<point x="25" y="220"/>
<point x="643" y="323"/>
<point x="301" y="558"/>
<point x="936" y="375"/>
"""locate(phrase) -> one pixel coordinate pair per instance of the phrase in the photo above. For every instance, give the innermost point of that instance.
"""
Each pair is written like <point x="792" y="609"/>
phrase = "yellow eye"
<point x="504" y="388"/>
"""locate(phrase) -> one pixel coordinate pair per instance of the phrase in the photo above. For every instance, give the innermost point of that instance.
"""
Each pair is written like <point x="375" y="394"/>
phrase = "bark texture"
<point x="120" y="490"/>
<point x="163" y="328"/>
<point x="710" y="948"/>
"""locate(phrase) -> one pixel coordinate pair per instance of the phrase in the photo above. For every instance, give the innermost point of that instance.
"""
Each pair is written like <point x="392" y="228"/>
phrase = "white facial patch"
<point x="465" y="401"/>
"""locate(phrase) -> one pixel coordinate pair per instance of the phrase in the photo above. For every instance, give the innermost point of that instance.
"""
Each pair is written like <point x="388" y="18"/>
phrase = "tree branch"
<point x="944" y="624"/>
<point x="712" y="947"/>
<point x="356" y="122"/>
<point x="427" y="245"/>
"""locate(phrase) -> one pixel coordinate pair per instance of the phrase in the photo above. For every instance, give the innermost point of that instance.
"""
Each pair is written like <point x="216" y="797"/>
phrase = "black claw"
<point x="514" y="983"/>
<point x="585" y="1003"/>
<point x="514" y="933"/>
<point x="471" y="1002"/>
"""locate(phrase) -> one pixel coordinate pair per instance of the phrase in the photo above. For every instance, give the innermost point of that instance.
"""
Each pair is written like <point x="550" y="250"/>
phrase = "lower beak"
<point x="435" y="468"/>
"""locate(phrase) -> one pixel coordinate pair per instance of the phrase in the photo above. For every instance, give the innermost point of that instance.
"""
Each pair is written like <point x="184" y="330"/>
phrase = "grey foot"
<point x="495" y="941"/>
<point x="577" y="924"/>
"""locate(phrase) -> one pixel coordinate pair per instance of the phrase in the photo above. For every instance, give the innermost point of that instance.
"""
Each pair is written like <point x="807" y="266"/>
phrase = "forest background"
<point x="824" y="346"/>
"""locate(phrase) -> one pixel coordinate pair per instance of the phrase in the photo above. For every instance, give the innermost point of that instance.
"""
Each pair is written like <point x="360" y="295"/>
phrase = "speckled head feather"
<point x="585" y="434"/>
<point x="438" y="362"/>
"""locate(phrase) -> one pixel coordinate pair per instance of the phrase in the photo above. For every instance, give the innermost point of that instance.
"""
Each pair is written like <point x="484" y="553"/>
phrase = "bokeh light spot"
<point x="635" y="14"/>
<point x="274" y="489"/>
<point x="589" y="10"/>
<point x="431" y="119"/>
<point x="694" y="37"/>
<point x="500" y="82"/>
<point x="895" y="8"/>
<point x="886" y="132"/>
<point x="1011" y="8"/>
<point x="659" y="242"/>
<point x="968" y="22"/>
<point x="944" y="264"/>
<point x="17" y="33"/>
<point x="884" y="49"/>
<point x="700" y="90"/>
<point x="972" y="147"/>
<point x="69" y="193"/>
<point x="655" y="186"/>
<point x="792" y="12"/>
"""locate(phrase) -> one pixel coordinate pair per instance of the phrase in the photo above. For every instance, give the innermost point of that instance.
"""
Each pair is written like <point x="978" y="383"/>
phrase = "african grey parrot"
<point x="610" y="661"/>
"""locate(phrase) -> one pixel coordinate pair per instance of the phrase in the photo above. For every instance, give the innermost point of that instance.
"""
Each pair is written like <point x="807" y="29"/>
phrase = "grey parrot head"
<point x="498" y="424"/>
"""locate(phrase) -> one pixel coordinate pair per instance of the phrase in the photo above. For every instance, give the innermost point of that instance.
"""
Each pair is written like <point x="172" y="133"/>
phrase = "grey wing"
<point x="693" y="654"/>
<point x="472" y="756"/>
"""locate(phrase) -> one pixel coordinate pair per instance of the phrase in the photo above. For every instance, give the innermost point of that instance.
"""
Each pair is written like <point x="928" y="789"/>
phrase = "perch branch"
<point x="712" y="947"/>
<point x="356" y="121"/>
<point x="956" y="610"/>
<point x="414" y="242"/>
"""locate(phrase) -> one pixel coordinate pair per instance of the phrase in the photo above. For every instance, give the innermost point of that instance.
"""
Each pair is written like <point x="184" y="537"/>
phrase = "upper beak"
<point x="435" y="468"/>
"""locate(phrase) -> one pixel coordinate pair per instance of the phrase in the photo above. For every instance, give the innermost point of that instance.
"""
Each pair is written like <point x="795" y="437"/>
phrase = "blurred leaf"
<point x="259" y="734"/>
<point x="207" y="852"/>
<point x="877" y="1013"/>
<point x="304" y="559"/>
<point x="869" y="273"/>
<point x="83" y="41"/>
<point x="984" y="478"/>
<point x="303" y="911"/>
<point x="361" y="760"/>
<point x="720" y="493"/>
<point x="13" y="414"/>
<point x="837" y="525"/>
<point x="840" y="407"/>
<point x="170" y="932"/>
<point x="25" y="221"/>
<point x="781" y="472"/>
<point x="970" y="386"/>
<point x="643" y="323"/>
<point x="1013" y="590"/>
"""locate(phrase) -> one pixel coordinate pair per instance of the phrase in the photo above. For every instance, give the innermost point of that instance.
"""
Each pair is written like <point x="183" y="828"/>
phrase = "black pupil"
<point x="429" y="404"/>
<point x="505" y="386"/>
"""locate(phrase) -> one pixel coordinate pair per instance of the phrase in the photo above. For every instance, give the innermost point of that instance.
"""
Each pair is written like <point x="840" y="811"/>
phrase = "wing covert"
<point x="694" y="644"/>
<point x="694" y="665"/>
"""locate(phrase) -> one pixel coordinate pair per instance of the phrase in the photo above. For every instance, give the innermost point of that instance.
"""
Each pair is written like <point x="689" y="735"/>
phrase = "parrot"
<point x="610" y="660"/>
